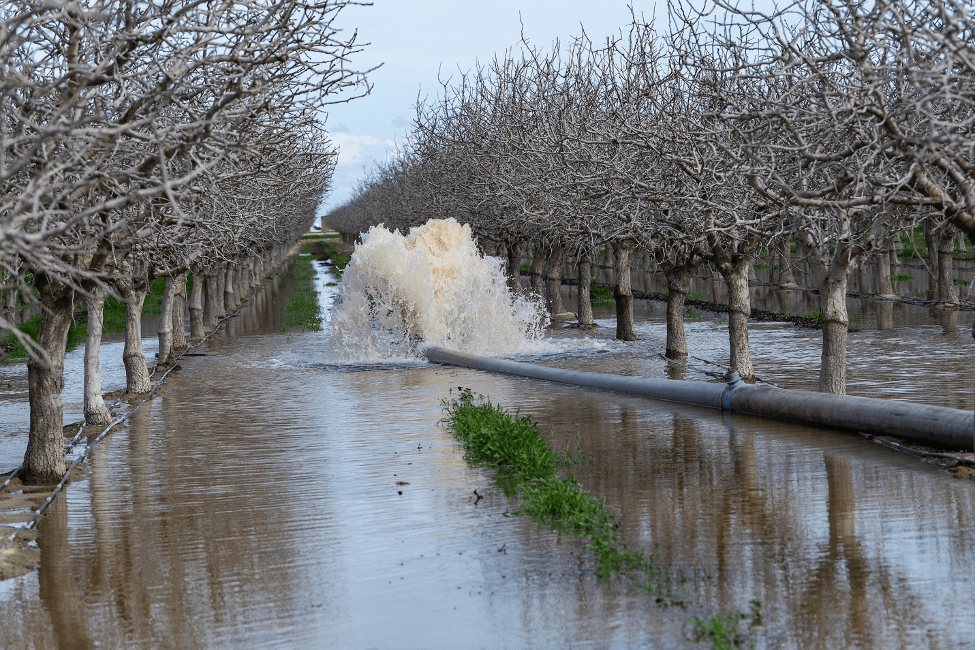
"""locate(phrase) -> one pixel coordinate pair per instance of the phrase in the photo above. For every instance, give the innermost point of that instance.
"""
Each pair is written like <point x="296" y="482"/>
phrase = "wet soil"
<point x="268" y="495"/>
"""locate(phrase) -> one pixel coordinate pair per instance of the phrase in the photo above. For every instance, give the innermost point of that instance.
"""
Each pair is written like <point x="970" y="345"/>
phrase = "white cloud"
<point x="358" y="150"/>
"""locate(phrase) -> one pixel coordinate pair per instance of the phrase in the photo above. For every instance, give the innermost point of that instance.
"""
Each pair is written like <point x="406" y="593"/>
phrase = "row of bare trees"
<point x="146" y="140"/>
<point x="826" y="125"/>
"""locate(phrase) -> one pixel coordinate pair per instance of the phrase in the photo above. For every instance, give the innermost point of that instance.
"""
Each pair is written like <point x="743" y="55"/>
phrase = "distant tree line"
<point x="823" y="126"/>
<point x="145" y="140"/>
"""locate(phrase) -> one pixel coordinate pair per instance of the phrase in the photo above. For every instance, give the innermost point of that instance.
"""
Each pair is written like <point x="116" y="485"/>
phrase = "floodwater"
<point x="264" y="499"/>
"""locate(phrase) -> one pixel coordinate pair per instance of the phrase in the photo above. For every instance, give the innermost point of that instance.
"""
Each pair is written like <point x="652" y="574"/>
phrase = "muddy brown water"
<point x="263" y="499"/>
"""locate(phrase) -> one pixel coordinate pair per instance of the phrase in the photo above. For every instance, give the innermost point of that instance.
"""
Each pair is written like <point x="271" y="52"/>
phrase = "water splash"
<point x="432" y="287"/>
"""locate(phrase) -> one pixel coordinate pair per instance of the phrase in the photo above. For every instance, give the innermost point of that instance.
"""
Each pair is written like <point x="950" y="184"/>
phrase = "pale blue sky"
<point x="416" y="38"/>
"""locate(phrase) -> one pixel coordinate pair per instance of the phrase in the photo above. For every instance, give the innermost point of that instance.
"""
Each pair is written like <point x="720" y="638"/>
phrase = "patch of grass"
<point x="696" y="296"/>
<point x="31" y="326"/>
<point x="113" y="315"/>
<point x="814" y="315"/>
<point x="960" y="282"/>
<point x="692" y="315"/>
<point x="601" y="296"/>
<point x="525" y="267"/>
<point x="902" y="277"/>
<point x="724" y="630"/>
<point x="154" y="299"/>
<point x="914" y="245"/>
<point x="302" y="308"/>
<point x="524" y="467"/>
<point x="760" y="266"/>
<point x="339" y="259"/>
<point x="114" y="312"/>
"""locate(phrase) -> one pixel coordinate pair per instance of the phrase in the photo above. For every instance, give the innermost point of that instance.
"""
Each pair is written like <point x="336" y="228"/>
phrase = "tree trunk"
<point x="947" y="292"/>
<point x="137" y="374"/>
<point x="213" y="300"/>
<point x="883" y="274"/>
<point x="502" y="252"/>
<point x="515" y="271"/>
<point x="585" y="311"/>
<point x="242" y="283"/>
<point x="197" y="307"/>
<point x="229" y="297"/>
<point x="554" y="293"/>
<point x="179" y="310"/>
<point x="165" y="356"/>
<point x="94" y="406"/>
<point x="738" y="286"/>
<point x="221" y="290"/>
<point x="536" y="272"/>
<point x="785" y="275"/>
<point x="932" y="259"/>
<point x="623" y="298"/>
<point x="834" y="326"/>
<point x="679" y="279"/>
<point x="44" y="458"/>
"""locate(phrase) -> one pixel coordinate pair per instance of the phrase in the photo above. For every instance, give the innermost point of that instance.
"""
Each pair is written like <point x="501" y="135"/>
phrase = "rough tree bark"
<point x="94" y="406"/>
<point x="165" y="333"/>
<point x="623" y="298"/>
<point x="883" y="274"/>
<point x="213" y="300"/>
<point x="678" y="276"/>
<point x="785" y="274"/>
<point x="931" y="237"/>
<point x="947" y="292"/>
<point x="44" y="458"/>
<point x="221" y="290"/>
<point x="133" y="294"/>
<point x="585" y="311"/>
<point x="536" y="283"/>
<point x="197" y="306"/>
<point x="229" y="295"/>
<point x="554" y="295"/>
<point x="735" y="270"/>
<point x="515" y="259"/>
<point x="833" y="288"/>
<point x="179" y="308"/>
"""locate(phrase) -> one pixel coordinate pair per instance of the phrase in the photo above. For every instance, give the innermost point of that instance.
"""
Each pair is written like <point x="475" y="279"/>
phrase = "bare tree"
<point x="106" y="106"/>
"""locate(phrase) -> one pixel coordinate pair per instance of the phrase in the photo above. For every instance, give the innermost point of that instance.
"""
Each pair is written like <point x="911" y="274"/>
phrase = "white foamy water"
<point x="431" y="288"/>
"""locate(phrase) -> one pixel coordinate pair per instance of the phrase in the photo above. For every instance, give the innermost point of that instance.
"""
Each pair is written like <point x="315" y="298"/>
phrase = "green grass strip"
<point x="526" y="468"/>
<point x="302" y="308"/>
<point x="15" y="351"/>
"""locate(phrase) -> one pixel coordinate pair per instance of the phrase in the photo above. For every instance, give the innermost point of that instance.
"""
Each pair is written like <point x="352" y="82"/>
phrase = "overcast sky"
<point x="414" y="39"/>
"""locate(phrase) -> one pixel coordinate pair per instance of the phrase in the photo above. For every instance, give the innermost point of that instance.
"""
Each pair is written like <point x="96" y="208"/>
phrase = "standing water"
<point x="273" y="494"/>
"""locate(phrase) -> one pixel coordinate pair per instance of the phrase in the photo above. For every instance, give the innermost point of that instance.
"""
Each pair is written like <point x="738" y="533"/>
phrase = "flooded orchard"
<point x="271" y="493"/>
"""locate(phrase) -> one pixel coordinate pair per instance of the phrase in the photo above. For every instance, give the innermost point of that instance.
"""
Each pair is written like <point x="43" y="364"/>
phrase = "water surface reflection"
<point x="262" y="500"/>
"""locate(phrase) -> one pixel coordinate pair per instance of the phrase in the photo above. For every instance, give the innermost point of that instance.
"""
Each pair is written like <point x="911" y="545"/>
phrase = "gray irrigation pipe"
<point x="64" y="479"/>
<point x="918" y="422"/>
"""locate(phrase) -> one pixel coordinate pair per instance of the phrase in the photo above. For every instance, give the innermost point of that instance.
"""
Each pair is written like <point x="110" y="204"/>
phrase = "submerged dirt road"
<point x="265" y="497"/>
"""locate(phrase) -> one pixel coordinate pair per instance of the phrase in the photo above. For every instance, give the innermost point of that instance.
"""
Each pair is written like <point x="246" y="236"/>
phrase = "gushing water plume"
<point x="431" y="287"/>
